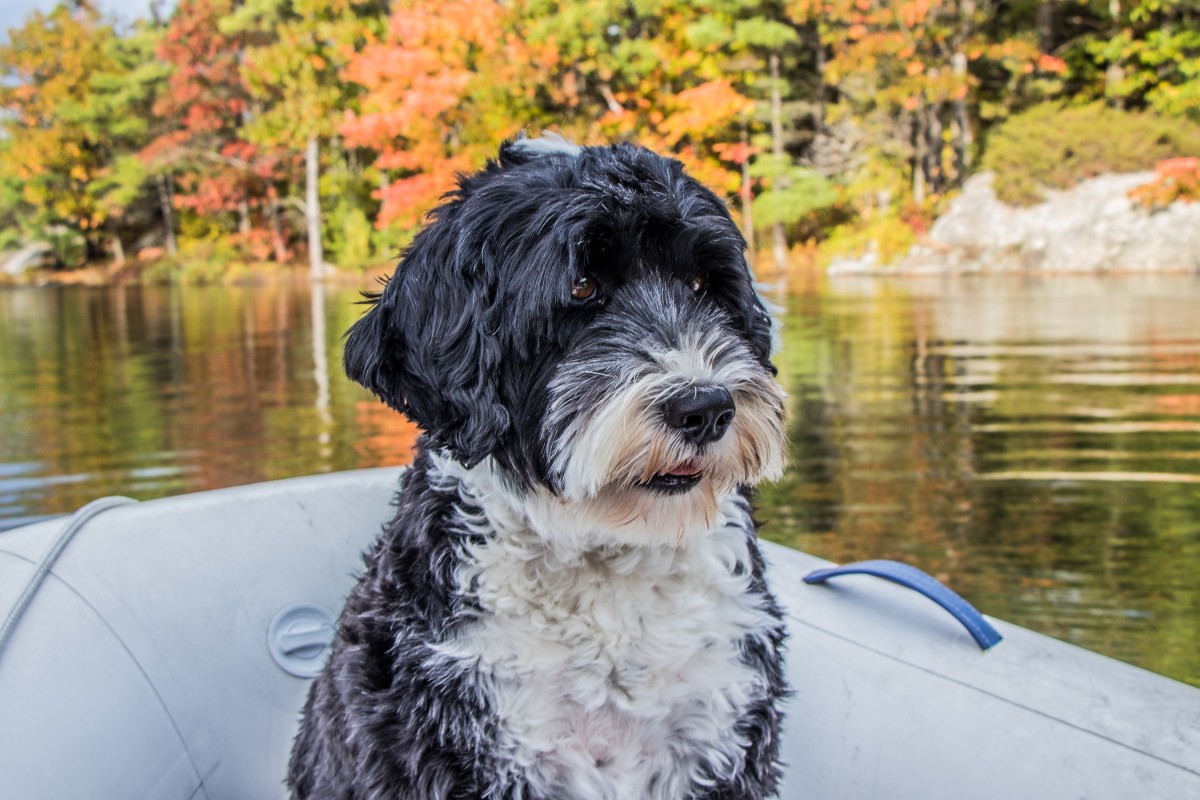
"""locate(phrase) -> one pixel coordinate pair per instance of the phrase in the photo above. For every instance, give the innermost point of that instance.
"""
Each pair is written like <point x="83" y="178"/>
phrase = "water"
<point x="1034" y="443"/>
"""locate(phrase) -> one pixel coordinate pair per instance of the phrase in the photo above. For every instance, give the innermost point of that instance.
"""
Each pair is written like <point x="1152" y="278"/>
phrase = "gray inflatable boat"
<point x="159" y="650"/>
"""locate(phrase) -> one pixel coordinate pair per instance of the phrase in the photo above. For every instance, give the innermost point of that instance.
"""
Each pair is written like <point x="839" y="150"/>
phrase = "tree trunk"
<point x="819" y="49"/>
<point x="1045" y="25"/>
<point x="919" y="152"/>
<point x="779" y="239"/>
<point x="168" y="214"/>
<point x="963" y="137"/>
<point x="933" y="157"/>
<point x="747" y="197"/>
<point x="1116" y="71"/>
<point x="118" y="249"/>
<point x="277" y="242"/>
<point x="243" y="217"/>
<point x="312" y="209"/>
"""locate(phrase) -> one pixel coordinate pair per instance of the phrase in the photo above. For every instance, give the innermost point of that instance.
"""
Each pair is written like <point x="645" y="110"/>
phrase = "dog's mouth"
<point x="676" y="480"/>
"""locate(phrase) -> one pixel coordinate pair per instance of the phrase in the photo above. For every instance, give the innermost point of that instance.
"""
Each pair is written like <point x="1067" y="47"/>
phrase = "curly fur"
<point x="554" y="613"/>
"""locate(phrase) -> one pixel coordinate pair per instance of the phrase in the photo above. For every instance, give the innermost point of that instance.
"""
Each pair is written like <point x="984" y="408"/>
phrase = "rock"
<point x="30" y="255"/>
<point x="866" y="263"/>
<point x="1093" y="227"/>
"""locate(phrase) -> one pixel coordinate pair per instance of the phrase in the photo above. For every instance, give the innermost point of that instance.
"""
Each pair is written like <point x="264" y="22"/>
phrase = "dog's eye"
<point x="584" y="287"/>
<point x="698" y="283"/>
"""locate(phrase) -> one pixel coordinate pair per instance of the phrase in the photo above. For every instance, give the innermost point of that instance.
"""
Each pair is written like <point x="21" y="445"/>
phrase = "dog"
<point x="569" y="603"/>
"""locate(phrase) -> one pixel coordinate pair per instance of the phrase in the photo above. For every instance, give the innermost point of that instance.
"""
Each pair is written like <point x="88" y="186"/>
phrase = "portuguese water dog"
<point x="570" y="602"/>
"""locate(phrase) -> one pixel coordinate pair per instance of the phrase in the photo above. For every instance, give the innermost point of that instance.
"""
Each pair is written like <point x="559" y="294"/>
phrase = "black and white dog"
<point x="570" y="602"/>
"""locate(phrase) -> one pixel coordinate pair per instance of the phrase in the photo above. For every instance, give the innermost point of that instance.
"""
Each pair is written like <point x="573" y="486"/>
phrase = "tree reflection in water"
<point x="1034" y="443"/>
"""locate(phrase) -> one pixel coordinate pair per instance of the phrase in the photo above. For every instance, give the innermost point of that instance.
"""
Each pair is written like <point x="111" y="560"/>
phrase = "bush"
<point x="1057" y="146"/>
<point x="68" y="246"/>
<point x="349" y="237"/>
<point x="889" y="236"/>
<point x="1175" y="180"/>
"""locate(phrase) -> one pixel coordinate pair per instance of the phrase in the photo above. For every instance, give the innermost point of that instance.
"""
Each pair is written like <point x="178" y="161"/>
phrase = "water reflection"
<point x="1034" y="443"/>
<point x="150" y="391"/>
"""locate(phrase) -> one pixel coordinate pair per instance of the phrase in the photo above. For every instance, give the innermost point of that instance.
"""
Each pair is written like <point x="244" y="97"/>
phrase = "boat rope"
<point x="73" y="526"/>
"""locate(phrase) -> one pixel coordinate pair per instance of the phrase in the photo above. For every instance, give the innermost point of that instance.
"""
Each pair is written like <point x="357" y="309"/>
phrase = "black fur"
<point x="465" y="340"/>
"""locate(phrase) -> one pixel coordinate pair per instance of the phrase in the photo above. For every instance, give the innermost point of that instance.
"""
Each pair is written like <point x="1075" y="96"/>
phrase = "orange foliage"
<point x="420" y="83"/>
<point x="1176" y="179"/>
<point x="450" y="79"/>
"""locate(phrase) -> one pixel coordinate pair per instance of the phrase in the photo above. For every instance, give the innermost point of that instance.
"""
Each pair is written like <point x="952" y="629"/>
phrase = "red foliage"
<point x="205" y="105"/>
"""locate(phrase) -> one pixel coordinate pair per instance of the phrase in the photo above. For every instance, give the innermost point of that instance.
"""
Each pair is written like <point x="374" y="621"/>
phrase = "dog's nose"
<point x="700" y="413"/>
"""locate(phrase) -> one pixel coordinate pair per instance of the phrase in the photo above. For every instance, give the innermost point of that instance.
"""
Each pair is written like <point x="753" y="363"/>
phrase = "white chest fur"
<point x="616" y="672"/>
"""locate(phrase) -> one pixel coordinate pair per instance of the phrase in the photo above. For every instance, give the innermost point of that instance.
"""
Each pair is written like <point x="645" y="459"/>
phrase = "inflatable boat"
<point x="163" y="650"/>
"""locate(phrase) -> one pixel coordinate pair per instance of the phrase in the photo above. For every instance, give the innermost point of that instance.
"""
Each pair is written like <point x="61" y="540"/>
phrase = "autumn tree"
<point x="613" y="70"/>
<point x="52" y="155"/>
<point x="296" y="52"/>
<point x="120" y="111"/>
<point x="772" y="62"/>
<point x="910" y="73"/>
<point x="216" y="171"/>
<point x="441" y="87"/>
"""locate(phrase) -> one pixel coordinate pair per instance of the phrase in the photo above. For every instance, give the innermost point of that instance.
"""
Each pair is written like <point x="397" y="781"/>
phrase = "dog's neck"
<point x="612" y="522"/>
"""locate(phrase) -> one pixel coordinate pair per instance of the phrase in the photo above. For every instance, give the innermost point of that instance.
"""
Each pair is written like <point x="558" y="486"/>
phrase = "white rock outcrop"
<point x="1092" y="227"/>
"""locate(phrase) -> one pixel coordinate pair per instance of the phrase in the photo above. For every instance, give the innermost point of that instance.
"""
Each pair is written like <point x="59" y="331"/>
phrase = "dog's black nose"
<point x="701" y="413"/>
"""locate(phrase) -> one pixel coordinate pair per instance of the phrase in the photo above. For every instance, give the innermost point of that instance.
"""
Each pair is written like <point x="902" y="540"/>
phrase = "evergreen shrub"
<point x="1056" y="146"/>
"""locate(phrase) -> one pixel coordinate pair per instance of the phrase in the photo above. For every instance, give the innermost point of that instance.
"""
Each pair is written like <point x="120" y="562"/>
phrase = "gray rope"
<point x="73" y="526"/>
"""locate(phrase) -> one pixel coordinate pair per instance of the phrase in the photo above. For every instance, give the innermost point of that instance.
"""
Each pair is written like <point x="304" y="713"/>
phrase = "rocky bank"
<point x="1093" y="227"/>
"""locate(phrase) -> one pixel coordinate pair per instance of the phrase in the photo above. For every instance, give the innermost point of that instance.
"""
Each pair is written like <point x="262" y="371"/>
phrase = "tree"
<point x="53" y="154"/>
<point x="297" y="50"/>
<point x="120" y="110"/>
<point x="215" y="169"/>
<point x="439" y="88"/>
<point x="650" y="71"/>
<point x="912" y="70"/>
<point x="1151" y="56"/>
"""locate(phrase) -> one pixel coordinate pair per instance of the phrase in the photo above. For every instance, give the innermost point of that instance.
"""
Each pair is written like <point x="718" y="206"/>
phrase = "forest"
<point x="319" y="132"/>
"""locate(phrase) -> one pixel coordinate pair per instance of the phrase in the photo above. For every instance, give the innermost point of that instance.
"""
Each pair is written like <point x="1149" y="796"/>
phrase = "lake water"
<point x="1033" y="442"/>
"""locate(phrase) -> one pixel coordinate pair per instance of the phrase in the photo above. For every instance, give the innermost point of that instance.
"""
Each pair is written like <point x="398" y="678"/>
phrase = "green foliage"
<point x="801" y="191"/>
<point x="68" y="246"/>
<point x="765" y="33"/>
<point x="13" y="209"/>
<point x="350" y="236"/>
<point x="218" y="259"/>
<point x="888" y="236"/>
<point x="1152" y="60"/>
<point x="1057" y="146"/>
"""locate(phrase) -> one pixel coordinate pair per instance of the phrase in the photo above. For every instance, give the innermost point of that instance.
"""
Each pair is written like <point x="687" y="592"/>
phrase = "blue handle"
<point x="905" y="575"/>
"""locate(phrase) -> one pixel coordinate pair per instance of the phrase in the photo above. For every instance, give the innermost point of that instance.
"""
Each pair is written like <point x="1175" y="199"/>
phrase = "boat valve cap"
<point x="299" y="637"/>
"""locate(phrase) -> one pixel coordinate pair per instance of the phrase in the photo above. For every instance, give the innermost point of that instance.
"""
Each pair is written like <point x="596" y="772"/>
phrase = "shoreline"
<point x="1093" y="228"/>
<point x="151" y="273"/>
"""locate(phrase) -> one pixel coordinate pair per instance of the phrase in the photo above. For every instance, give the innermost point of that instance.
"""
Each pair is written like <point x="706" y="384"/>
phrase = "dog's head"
<point x="584" y="317"/>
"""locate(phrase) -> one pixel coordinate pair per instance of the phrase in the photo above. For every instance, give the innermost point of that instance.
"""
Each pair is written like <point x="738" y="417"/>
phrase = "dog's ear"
<point x="423" y="348"/>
